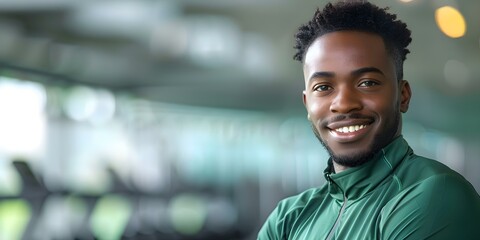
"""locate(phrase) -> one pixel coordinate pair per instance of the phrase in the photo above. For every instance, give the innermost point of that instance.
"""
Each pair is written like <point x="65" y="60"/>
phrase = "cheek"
<point x="316" y="109"/>
<point x="383" y="107"/>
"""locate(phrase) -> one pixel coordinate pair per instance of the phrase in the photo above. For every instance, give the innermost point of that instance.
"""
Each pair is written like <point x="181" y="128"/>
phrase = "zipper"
<point x="342" y="209"/>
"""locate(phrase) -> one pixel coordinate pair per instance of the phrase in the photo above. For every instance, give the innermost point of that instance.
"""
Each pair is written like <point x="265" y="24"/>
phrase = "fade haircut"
<point x="356" y="15"/>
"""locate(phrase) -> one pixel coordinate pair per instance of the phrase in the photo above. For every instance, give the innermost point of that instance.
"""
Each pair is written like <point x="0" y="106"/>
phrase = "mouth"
<point x="351" y="128"/>
<point x="349" y="131"/>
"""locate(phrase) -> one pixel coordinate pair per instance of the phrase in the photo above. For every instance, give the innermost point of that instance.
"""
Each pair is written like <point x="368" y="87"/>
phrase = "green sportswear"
<point x="396" y="195"/>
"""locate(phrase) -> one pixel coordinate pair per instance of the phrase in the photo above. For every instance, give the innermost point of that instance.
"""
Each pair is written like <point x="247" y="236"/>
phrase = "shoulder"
<point x="416" y="170"/>
<point x="283" y="216"/>
<point x="435" y="201"/>
<point x="433" y="183"/>
<point x="301" y="199"/>
<point x="442" y="190"/>
<point x="291" y="207"/>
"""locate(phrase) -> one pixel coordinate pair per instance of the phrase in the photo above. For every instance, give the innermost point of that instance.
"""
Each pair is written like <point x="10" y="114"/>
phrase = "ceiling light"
<point x="450" y="21"/>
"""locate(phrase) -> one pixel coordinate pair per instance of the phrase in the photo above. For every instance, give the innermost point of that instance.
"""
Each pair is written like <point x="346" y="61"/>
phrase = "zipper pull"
<point x="327" y="176"/>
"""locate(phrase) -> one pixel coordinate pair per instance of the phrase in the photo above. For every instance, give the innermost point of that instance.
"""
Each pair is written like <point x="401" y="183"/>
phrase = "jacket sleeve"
<point x="440" y="207"/>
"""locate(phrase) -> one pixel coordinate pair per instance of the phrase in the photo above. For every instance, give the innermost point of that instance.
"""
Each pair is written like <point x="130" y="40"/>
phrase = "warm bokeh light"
<point x="450" y="21"/>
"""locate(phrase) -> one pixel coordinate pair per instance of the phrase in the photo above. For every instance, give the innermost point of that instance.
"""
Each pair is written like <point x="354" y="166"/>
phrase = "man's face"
<point x="352" y="95"/>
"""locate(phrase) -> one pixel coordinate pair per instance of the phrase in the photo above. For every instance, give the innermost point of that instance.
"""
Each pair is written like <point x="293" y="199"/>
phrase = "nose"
<point x="345" y="100"/>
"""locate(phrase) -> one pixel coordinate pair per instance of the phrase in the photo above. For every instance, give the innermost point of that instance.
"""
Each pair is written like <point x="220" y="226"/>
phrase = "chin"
<point x="361" y="152"/>
<point x="353" y="160"/>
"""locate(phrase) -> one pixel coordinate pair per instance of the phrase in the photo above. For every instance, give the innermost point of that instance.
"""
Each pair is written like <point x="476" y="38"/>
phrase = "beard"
<point x="381" y="139"/>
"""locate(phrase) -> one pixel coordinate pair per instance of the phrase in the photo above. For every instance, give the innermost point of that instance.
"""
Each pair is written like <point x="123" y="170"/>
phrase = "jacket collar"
<point x="355" y="182"/>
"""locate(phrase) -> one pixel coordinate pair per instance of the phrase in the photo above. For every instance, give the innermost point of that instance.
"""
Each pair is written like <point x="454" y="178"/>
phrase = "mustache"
<point x="344" y="117"/>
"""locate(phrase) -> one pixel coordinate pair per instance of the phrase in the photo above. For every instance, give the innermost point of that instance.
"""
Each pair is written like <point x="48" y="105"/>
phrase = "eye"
<point x="368" y="83"/>
<point x="321" y="88"/>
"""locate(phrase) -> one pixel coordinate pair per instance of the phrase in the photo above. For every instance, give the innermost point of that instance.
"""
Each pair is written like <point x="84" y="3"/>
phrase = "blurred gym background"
<point x="183" y="119"/>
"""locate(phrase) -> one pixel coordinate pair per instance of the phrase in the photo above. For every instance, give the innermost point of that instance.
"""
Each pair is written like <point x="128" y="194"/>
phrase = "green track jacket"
<point x="397" y="195"/>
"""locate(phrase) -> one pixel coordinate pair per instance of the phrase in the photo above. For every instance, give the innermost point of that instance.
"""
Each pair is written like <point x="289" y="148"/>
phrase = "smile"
<point x="349" y="133"/>
<point x="348" y="129"/>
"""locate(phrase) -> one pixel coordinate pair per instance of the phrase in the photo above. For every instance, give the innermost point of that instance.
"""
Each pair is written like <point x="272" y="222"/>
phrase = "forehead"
<point x="347" y="49"/>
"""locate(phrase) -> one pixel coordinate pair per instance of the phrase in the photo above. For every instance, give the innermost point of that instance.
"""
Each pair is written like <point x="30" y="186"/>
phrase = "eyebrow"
<point x="361" y="71"/>
<point x="355" y="72"/>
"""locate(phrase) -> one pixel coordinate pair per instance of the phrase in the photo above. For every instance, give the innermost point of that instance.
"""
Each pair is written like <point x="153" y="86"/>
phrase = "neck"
<point x="339" y="168"/>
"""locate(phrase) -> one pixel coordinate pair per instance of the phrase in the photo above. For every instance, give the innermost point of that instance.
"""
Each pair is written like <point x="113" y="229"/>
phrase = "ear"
<point x="405" y="94"/>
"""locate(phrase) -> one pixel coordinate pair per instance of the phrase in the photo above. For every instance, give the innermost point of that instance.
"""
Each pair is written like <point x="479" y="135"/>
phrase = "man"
<point x="377" y="188"/>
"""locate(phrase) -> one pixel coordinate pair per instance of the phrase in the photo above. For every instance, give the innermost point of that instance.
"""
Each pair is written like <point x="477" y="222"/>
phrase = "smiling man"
<point x="377" y="188"/>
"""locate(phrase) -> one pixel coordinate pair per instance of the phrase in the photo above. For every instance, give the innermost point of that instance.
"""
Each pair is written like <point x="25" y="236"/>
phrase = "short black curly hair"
<point x="358" y="15"/>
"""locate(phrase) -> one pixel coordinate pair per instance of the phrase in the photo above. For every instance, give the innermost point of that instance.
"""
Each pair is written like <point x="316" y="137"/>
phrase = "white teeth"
<point x="350" y="128"/>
